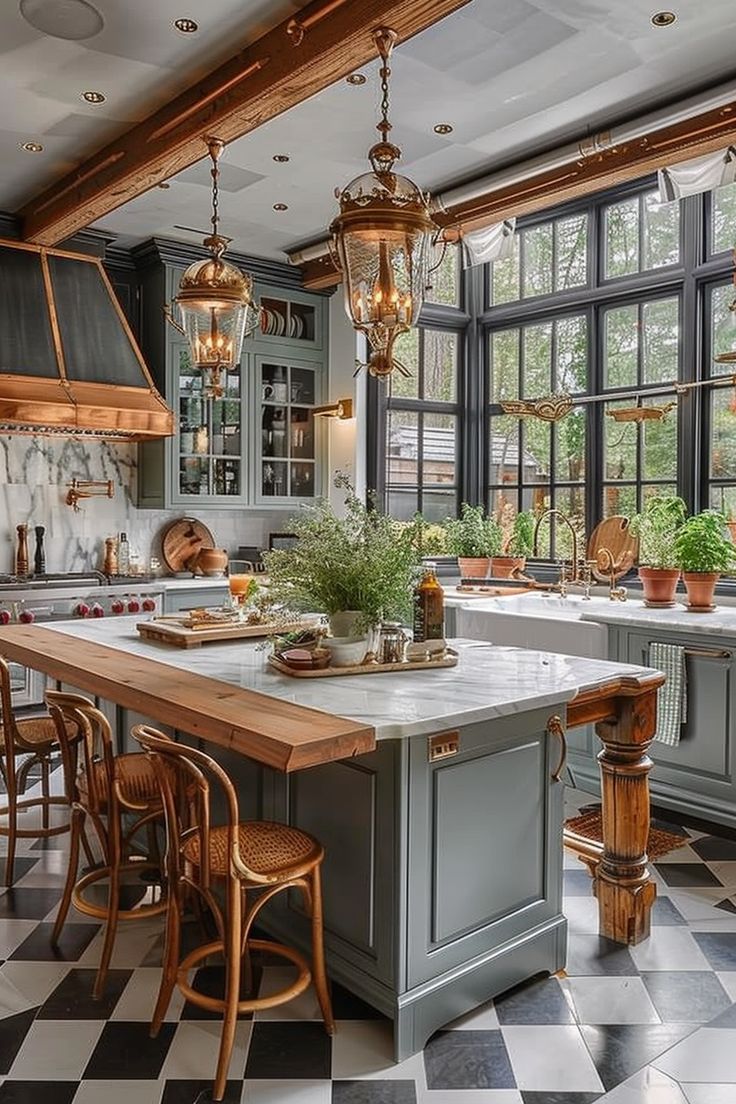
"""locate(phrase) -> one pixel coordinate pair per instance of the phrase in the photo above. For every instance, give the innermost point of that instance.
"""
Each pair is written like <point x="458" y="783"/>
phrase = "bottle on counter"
<point x="123" y="555"/>
<point x="429" y="613"/>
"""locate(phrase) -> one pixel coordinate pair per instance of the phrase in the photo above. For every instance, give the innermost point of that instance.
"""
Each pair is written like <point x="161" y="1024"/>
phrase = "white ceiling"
<point x="513" y="77"/>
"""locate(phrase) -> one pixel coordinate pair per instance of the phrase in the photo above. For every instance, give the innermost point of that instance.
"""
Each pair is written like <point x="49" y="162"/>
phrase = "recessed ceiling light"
<point x="31" y="147"/>
<point x="356" y="78"/>
<point x="281" y="206"/>
<point x="163" y="185"/>
<point x="443" y="128"/>
<point x="282" y="158"/>
<point x="186" y="26"/>
<point x="94" y="97"/>
<point x="663" y="19"/>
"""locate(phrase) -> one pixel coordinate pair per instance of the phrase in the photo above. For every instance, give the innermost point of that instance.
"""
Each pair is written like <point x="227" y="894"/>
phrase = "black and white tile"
<point x="620" y="1025"/>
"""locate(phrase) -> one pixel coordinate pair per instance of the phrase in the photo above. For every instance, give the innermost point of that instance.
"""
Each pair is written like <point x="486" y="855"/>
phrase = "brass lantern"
<point x="383" y="238"/>
<point x="215" y="301"/>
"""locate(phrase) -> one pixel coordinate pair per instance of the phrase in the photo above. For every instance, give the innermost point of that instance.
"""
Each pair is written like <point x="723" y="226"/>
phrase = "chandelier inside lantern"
<point x="215" y="301"/>
<point x="383" y="237"/>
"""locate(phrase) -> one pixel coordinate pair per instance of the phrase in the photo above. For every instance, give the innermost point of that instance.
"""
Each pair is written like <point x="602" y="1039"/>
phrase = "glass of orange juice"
<point x="240" y="584"/>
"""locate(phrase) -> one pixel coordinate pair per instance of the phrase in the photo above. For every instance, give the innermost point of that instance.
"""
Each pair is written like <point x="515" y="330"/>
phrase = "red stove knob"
<point x="134" y="606"/>
<point x="81" y="609"/>
<point x="4" y="617"/>
<point x="149" y="604"/>
<point x="26" y="616"/>
<point x="118" y="606"/>
<point x="97" y="610"/>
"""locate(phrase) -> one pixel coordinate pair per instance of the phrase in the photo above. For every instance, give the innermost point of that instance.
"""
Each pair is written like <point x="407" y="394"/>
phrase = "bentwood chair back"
<point x="239" y="856"/>
<point x="35" y="738"/>
<point x="104" y="789"/>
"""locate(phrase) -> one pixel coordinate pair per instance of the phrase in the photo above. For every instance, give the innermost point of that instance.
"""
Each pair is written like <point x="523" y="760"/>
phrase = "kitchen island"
<point x="436" y="794"/>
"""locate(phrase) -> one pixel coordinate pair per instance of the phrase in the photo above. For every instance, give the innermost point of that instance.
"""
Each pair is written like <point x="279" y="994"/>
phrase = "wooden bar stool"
<point x="260" y="857"/>
<point x="36" y="738"/>
<point x="105" y="788"/>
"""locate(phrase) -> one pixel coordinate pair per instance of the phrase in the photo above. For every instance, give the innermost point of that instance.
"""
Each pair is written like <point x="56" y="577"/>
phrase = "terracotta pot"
<point x="474" y="567"/>
<point x="210" y="561"/>
<point x="659" y="585"/>
<point x="507" y="567"/>
<point x="700" y="586"/>
<point x="732" y="530"/>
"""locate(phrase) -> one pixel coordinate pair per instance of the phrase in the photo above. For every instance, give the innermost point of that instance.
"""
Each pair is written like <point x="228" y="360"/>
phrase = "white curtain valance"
<point x="492" y="243"/>
<point x="701" y="174"/>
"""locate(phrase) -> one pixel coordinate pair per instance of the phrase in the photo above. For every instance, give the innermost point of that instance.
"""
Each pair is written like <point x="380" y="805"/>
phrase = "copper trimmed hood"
<point x="69" y="363"/>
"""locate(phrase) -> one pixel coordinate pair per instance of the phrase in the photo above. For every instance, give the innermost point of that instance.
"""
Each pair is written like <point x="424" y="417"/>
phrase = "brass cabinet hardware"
<point x="442" y="746"/>
<point x="555" y="727"/>
<point x="707" y="653"/>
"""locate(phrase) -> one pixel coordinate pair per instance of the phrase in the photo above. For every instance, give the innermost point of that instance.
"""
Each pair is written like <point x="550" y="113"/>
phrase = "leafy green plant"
<point x="701" y="545"/>
<point x="657" y="528"/>
<point x="521" y="541"/>
<point x="473" y="534"/>
<point x="362" y="561"/>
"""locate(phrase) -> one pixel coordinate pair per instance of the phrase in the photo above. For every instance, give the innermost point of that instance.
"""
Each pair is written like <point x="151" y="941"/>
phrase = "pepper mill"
<point x="39" y="557"/>
<point x="110" y="566"/>
<point x="21" y="553"/>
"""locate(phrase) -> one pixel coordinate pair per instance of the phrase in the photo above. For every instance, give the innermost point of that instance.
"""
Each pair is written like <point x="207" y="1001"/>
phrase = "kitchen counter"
<point x="721" y="622"/>
<point x="488" y="682"/>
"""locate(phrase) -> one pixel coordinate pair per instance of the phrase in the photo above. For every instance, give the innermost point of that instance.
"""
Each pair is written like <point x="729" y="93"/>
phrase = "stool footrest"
<point x="213" y="1004"/>
<point x="100" y="911"/>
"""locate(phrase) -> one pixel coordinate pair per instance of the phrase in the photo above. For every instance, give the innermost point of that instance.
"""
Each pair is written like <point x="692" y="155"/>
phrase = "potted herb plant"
<point x="359" y="568"/>
<point x="516" y="547"/>
<point x="703" y="552"/>
<point x="474" y="538"/>
<point x="657" y="528"/>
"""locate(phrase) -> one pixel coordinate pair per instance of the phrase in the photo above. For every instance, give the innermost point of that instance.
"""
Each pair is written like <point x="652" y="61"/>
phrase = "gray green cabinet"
<point x="259" y="445"/>
<point x="698" y="776"/>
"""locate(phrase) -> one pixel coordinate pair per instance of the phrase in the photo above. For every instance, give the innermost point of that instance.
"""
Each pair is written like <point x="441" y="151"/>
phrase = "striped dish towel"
<point x="672" y="697"/>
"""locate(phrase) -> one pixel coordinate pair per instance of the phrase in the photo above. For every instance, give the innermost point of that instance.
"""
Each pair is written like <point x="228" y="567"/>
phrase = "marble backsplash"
<point x="34" y="472"/>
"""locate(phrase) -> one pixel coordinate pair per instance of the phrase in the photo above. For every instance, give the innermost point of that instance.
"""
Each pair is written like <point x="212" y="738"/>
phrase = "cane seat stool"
<point x="36" y="739"/>
<point x="104" y="789"/>
<point x="250" y="863"/>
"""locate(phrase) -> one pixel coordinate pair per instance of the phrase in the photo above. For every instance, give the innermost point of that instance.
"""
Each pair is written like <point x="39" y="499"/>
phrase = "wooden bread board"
<point x="449" y="659"/>
<point x="181" y="636"/>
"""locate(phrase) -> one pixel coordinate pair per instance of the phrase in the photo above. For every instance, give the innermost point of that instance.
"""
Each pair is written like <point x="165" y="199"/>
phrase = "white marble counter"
<point x="721" y="622"/>
<point x="192" y="582"/>
<point x="488" y="682"/>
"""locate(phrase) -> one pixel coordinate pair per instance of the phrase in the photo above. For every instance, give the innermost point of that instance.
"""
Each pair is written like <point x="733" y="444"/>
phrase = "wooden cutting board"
<point x="180" y="636"/>
<point x="182" y="541"/>
<point x="614" y="534"/>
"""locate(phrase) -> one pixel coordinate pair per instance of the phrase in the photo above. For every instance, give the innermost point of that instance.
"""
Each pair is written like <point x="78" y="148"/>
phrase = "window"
<point x="422" y="427"/>
<point x="613" y="299"/>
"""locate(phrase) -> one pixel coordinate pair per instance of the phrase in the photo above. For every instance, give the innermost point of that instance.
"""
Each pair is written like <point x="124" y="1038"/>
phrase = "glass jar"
<point x="393" y="643"/>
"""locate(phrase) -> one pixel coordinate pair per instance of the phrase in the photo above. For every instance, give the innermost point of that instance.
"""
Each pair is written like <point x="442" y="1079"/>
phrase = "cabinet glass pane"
<point x="209" y="430"/>
<point x="274" y="431"/>
<point x="226" y="477"/>
<point x="274" y="479"/>
<point x="302" y="433"/>
<point x="282" y="318"/>
<point x="302" y="385"/>
<point x="302" y="480"/>
<point x="275" y="383"/>
<point x="194" y="476"/>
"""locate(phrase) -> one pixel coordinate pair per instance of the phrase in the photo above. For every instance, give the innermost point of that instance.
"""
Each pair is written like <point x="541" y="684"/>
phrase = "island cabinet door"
<point x="485" y="846"/>
<point x="702" y="762"/>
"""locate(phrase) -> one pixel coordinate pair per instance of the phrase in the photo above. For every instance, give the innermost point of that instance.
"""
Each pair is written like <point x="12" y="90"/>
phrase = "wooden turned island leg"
<point x="622" y="882"/>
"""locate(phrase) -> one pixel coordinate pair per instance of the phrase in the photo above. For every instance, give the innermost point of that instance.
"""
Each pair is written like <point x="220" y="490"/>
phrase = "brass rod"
<point x="705" y="653"/>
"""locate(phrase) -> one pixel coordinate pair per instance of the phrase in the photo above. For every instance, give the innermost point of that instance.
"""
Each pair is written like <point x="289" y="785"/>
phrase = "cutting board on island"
<point x="176" y="632"/>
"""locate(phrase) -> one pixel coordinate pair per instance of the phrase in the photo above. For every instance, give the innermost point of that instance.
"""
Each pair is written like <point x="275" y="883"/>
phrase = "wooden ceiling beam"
<point x="302" y="55"/>
<point x="705" y="133"/>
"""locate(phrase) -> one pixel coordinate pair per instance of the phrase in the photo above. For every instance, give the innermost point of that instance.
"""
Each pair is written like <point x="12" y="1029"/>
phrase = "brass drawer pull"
<point x="555" y="727"/>
<point x="705" y="653"/>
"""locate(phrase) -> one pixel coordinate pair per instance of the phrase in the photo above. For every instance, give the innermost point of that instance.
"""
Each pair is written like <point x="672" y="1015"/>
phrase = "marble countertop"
<point x="488" y="682"/>
<point x="721" y="622"/>
<point x="192" y="582"/>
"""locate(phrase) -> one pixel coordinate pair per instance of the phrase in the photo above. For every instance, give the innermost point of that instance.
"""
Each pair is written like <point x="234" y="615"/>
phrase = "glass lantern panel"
<point x="384" y="277"/>
<point x="215" y="331"/>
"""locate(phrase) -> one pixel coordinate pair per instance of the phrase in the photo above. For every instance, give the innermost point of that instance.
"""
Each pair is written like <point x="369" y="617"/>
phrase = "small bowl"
<point x="346" y="651"/>
<point x="300" y="659"/>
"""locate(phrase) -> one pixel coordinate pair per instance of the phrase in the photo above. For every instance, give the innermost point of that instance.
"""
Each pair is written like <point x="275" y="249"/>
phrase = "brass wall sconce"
<point x="88" y="488"/>
<point x="342" y="408"/>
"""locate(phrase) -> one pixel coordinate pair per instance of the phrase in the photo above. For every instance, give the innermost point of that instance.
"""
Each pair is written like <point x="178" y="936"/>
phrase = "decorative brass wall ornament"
<point x="551" y="408"/>
<point x="383" y="238"/>
<point x="215" y="300"/>
<point x="641" y="413"/>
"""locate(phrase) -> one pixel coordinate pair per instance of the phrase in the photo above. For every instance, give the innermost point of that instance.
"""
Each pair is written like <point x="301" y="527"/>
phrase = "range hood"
<point x="69" y="363"/>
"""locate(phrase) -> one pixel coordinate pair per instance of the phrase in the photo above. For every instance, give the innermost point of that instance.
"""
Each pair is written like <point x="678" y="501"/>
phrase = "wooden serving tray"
<point x="181" y="636"/>
<point x="449" y="659"/>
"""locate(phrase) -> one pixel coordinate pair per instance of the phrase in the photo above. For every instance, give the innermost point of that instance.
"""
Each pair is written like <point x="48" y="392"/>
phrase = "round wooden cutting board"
<point x="614" y="534"/>
<point x="182" y="541"/>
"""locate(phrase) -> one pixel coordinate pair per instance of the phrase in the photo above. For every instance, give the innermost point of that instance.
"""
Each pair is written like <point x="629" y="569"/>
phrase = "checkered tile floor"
<point x="653" y="1024"/>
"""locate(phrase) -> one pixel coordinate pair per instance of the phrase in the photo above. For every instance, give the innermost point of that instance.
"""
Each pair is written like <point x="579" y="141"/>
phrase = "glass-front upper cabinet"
<point x="287" y="462"/>
<point x="287" y="320"/>
<point x="210" y="434"/>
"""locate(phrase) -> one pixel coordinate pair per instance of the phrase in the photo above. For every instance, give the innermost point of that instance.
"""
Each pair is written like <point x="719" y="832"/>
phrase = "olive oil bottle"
<point x="429" y="608"/>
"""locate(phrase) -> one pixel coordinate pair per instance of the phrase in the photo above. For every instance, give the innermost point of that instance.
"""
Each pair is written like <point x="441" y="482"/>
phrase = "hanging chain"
<point x="385" y="40"/>
<point x="215" y="174"/>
